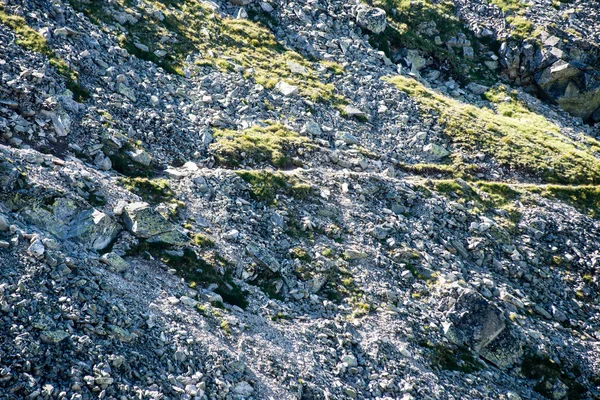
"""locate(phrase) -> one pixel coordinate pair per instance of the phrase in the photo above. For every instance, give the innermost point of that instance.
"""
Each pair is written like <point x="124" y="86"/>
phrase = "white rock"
<point x="36" y="249"/>
<point x="286" y="89"/>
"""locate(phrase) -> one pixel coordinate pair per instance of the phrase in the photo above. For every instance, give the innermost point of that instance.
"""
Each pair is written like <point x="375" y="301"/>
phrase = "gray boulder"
<point x="67" y="221"/>
<point x="504" y="351"/>
<point x="145" y="222"/>
<point x="474" y="321"/>
<point x="371" y="18"/>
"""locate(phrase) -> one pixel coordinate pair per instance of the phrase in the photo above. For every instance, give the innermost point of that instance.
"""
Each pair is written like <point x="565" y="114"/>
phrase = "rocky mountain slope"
<point x="312" y="199"/>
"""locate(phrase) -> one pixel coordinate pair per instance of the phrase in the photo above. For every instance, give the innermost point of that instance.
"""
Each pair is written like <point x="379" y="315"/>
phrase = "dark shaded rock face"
<point x="504" y="351"/>
<point x="559" y="71"/>
<point x="475" y="322"/>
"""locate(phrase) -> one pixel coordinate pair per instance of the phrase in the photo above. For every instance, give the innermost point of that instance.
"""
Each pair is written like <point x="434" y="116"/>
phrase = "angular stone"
<point x="145" y="222"/>
<point x="263" y="257"/>
<point x="504" y="351"/>
<point x="140" y="156"/>
<point x="371" y="18"/>
<point x="474" y="321"/>
<point x="435" y="151"/>
<point x="126" y="91"/>
<point x="115" y="262"/>
<point x="36" y="249"/>
<point x="286" y="89"/>
<point x="53" y="337"/>
<point x="94" y="229"/>
<point x="63" y="219"/>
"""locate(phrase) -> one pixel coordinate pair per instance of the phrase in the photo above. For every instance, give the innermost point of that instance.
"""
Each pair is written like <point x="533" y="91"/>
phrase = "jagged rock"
<point x="145" y="222"/>
<point x="53" y="337"/>
<point x="474" y="321"/>
<point x="263" y="257"/>
<point x="65" y="220"/>
<point x="140" y="156"/>
<point x="505" y="350"/>
<point x="115" y="262"/>
<point x="94" y="229"/>
<point x="371" y="18"/>
<point x="286" y="89"/>
<point x="3" y="223"/>
<point x="435" y="151"/>
<point x="36" y="249"/>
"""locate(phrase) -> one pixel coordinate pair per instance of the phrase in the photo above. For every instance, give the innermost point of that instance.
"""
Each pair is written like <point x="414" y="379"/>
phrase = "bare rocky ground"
<point x="303" y="200"/>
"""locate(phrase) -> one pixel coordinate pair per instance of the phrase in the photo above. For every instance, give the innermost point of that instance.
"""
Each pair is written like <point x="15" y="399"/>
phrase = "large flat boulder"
<point x="145" y="222"/>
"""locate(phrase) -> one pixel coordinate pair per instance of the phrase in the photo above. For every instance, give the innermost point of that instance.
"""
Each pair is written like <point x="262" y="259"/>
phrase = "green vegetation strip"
<point x="493" y="195"/>
<point x="510" y="133"/>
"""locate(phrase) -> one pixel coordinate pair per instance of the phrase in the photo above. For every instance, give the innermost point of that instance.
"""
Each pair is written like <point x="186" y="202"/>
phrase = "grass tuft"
<point x="273" y="144"/>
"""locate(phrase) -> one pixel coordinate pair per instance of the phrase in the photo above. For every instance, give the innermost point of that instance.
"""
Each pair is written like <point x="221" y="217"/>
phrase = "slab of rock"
<point x="145" y="222"/>
<point x="53" y="337"/>
<point x="66" y="220"/>
<point x="435" y="151"/>
<point x="140" y="156"/>
<point x="115" y="262"/>
<point x="474" y="321"/>
<point x="263" y="257"/>
<point x="504" y="351"/>
<point x="93" y="228"/>
<point x="286" y="89"/>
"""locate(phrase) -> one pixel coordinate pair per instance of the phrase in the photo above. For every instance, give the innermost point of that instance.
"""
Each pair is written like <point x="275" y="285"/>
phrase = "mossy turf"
<point x="508" y="133"/>
<point x="266" y="185"/>
<point x="31" y="40"/>
<point x="510" y="5"/>
<point x="272" y="144"/>
<point x="192" y="31"/>
<point x="151" y="190"/>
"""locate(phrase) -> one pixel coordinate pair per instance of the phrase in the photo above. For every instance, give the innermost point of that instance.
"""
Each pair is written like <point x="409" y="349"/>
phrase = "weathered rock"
<point x="286" y="89"/>
<point x="115" y="262"/>
<point x="63" y="219"/>
<point x="505" y="350"/>
<point x="263" y="257"/>
<point x="145" y="222"/>
<point x="474" y="321"/>
<point x="94" y="229"/>
<point x="371" y="18"/>
<point x="53" y="337"/>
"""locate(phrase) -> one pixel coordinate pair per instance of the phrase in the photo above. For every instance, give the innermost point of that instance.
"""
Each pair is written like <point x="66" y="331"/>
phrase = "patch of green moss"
<point x="273" y="144"/>
<point x="31" y="40"/>
<point x="521" y="28"/>
<point x="266" y="185"/>
<point x="508" y="132"/>
<point x="151" y="190"/>
<point x="509" y="5"/>
<point x="202" y="240"/>
<point x="340" y="285"/>
<point x="332" y="66"/>
<point x="300" y="254"/>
